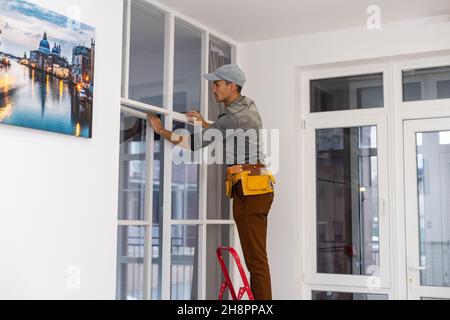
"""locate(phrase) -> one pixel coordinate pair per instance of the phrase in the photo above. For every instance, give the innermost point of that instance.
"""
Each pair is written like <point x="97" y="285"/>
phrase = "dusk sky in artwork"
<point x="23" y="25"/>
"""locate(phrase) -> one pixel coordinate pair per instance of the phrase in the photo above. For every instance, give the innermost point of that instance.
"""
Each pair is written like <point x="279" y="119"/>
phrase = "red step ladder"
<point x="227" y="283"/>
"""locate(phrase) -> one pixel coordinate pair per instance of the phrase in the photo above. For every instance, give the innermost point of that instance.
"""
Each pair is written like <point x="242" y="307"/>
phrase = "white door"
<point x="347" y="239"/>
<point x="427" y="203"/>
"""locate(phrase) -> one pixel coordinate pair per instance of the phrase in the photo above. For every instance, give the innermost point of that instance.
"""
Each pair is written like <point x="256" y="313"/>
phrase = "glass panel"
<point x="216" y="236"/>
<point x="157" y="213"/>
<point x="187" y="68"/>
<point x="328" y="295"/>
<point x="185" y="179"/>
<point x="426" y="84"/>
<point x="347" y="201"/>
<point x="146" y="74"/>
<point x="132" y="168"/>
<point x="433" y="181"/>
<point x="184" y="263"/>
<point x="412" y="91"/>
<point x="218" y="204"/>
<point x="347" y="93"/>
<point x="219" y="54"/>
<point x="130" y="263"/>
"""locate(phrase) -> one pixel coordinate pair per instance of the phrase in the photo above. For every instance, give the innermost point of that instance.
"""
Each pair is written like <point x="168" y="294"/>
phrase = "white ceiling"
<point x="252" y="20"/>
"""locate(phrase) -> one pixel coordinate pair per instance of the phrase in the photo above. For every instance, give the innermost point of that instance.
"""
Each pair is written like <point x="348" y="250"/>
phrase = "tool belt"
<point x="255" y="179"/>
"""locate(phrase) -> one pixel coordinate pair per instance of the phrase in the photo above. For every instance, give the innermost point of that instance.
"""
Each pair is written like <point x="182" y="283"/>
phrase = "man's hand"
<point x="176" y="139"/>
<point x="155" y="123"/>
<point x="196" y="117"/>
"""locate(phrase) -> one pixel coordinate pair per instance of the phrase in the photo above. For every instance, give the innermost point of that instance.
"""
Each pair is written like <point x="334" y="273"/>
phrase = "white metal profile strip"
<point x="148" y="244"/>
<point x="167" y="195"/>
<point x="126" y="49"/>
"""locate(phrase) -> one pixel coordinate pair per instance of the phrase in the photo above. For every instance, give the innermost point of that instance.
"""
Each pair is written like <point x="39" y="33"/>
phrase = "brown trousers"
<point x="250" y="214"/>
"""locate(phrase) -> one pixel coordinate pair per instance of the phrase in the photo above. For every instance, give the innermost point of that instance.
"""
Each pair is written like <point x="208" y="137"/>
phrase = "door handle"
<point x="383" y="208"/>
<point x="421" y="268"/>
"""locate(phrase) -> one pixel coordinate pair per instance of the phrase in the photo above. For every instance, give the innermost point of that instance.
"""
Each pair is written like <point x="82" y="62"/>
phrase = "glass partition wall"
<point x="169" y="226"/>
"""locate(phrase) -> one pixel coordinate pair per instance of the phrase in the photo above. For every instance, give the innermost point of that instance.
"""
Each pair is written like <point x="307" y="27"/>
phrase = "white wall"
<point x="58" y="194"/>
<point x="272" y="69"/>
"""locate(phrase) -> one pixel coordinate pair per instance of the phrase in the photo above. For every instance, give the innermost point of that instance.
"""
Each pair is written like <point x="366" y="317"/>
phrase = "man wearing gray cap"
<point x="248" y="181"/>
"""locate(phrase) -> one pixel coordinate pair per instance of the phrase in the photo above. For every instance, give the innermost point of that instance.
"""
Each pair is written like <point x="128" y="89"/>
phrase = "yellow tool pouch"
<point x="251" y="184"/>
<point x="256" y="184"/>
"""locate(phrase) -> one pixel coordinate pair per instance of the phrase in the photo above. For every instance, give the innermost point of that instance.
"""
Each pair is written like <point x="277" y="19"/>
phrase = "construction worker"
<point x="249" y="183"/>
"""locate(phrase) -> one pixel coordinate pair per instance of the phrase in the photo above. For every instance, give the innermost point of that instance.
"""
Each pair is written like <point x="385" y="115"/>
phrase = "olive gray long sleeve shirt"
<point x="237" y="129"/>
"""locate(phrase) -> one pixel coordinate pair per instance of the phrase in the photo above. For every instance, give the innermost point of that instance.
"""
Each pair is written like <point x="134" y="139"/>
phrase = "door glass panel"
<point x="347" y="93"/>
<point x="328" y="295"/>
<point x="347" y="201"/>
<point x="433" y="182"/>
<point x="426" y="84"/>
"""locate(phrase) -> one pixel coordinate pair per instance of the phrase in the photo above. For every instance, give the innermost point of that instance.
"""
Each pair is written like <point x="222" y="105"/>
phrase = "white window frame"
<point x="422" y="108"/>
<point x="396" y="112"/>
<point x="139" y="110"/>
<point x="337" y="72"/>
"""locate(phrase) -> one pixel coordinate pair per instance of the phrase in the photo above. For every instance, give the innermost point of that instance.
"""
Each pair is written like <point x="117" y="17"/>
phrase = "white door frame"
<point x="401" y="112"/>
<point x="370" y="282"/>
<point x="396" y="112"/>
<point x="375" y="283"/>
<point x="415" y="290"/>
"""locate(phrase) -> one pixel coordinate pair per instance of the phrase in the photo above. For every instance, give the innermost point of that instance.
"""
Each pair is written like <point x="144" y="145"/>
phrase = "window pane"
<point x="130" y="263"/>
<point x="184" y="263"/>
<point x="347" y="93"/>
<point x="187" y="68"/>
<point x="328" y="295"/>
<point x="146" y="74"/>
<point x="185" y="179"/>
<point x="347" y="201"/>
<point x="157" y="213"/>
<point x="217" y="236"/>
<point x="426" y="84"/>
<point x="433" y="182"/>
<point x="219" y="54"/>
<point x="218" y="204"/>
<point x="132" y="168"/>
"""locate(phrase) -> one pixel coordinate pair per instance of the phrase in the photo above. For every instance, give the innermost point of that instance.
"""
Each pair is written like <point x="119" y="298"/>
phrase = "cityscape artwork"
<point x="46" y="70"/>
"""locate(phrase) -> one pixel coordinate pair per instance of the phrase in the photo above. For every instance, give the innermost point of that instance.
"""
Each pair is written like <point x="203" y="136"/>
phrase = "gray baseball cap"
<point x="229" y="72"/>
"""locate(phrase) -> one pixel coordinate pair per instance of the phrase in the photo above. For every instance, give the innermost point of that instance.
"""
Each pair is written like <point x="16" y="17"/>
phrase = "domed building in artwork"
<point x="56" y="50"/>
<point x="44" y="46"/>
<point x="49" y="60"/>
